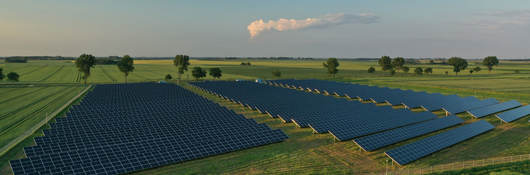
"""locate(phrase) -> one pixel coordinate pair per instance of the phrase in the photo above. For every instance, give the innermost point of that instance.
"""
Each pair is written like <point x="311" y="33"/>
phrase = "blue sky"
<point x="409" y="28"/>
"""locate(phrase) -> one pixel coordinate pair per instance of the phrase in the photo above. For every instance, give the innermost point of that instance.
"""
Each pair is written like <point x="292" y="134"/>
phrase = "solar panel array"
<point x="342" y="118"/>
<point x="410" y="152"/>
<point x="514" y="114"/>
<point x="122" y="128"/>
<point x="412" y="99"/>
<point x="485" y="111"/>
<point x="382" y="139"/>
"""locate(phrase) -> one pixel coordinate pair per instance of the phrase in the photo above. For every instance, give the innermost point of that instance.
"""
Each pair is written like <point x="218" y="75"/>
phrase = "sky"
<point x="296" y="28"/>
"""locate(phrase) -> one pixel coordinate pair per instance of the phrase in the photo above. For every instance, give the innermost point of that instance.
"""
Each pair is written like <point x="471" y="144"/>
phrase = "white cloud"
<point x="283" y="24"/>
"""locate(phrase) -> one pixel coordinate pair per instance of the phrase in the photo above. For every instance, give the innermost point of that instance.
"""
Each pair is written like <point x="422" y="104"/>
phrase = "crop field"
<point x="46" y="85"/>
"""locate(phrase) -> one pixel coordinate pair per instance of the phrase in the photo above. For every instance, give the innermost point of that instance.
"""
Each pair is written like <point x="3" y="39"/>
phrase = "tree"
<point x="490" y="61"/>
<point x="477" y="69"/>
<point x="1" y="73"/>
<point x="405" y="69"/>
<point x="371" y="70"/>
<point x="126" y="65"/>
<point x="398" y="63"/>
<point x="84" y="63"/>
<point x="458" y="64"/>
<point x="392" y="72"/>
<point x="13" y="76"/>
<point x="446" y="72"/>
<point x="428" y="70"/>
<point x="216" y="72"/>
<point x="385" y="62"/>
<point x="181" y="62"/>
<point x="516" y="71"/>
<point x="276" y="73"/>
<point x="168" y="77"/>
<point x="331" y="64"/>
<point x="198" y="73"/>
<point x="471" y="71"/>
<point x="418" y="71"/>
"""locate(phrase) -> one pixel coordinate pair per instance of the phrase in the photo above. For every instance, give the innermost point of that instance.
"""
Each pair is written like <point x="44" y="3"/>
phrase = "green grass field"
<point x="46" y="85"/>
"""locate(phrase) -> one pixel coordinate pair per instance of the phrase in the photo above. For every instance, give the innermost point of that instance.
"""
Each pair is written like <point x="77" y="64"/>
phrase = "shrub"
<point x="13" y="76"/>
<point x="168" y="77"/>
<point x="371" y="70"/>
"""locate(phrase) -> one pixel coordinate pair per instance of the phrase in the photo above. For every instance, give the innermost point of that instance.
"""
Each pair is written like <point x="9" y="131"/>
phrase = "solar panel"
<point x="121" y="128"/>
<point x="382" y="139"/>
<point x="416" y="150"/>
<point x="485" y="111"/>
<point x="514" y="114"/>
<point x="469" y="103"/>
<point x="411" y="99"/>
<point x="343" y="118"/>
<point x="348" y="129"/>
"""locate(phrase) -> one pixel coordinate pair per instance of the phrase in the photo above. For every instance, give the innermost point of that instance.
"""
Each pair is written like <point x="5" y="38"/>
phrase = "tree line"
<point x="86" y="62"/>
<point x="393" y="65"/>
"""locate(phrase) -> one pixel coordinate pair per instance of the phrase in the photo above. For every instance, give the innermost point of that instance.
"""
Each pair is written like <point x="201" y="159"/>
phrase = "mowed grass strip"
<point x="26" y="111"/>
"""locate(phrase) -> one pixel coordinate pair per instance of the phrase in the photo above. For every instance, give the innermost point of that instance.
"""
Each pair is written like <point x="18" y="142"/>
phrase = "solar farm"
<point x="374" y="126"/>
<point x="291" y="125"/>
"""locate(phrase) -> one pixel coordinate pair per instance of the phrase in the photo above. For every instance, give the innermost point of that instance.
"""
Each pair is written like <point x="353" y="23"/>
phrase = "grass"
<point x="303" y="152"/>
<point x="515" y="168"/>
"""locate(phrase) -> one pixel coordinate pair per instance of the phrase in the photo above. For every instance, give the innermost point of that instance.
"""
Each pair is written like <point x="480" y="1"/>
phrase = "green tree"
<point x="181" y="62"/>
<point x="168" y="77"/>
<point x="2" y="73"/>
<point x="490" y="61"/>
<point x="84" y="63"/>
<point x="418" y="71"/>
<point x="12" y="76"/>
<point x="405" y="69"/>
<point x="216" y="72"/>
<point x="477" y="69"/>
<point x="385" y="62"/>
<point x="371" y="70"/>
<point x="398" y="63"/>
<point x="458" y="64"/>
<point x="471" y="71"/>
<point x="331" y="64"/>
<point x="428" y="70"/>
<point x="126" y="65"/>
<point x="276" y="73"/>
<point x="198" y="73"/>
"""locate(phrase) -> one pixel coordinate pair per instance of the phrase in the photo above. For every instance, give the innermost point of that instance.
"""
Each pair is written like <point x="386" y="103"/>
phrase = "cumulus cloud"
<point x="258" y="26"/>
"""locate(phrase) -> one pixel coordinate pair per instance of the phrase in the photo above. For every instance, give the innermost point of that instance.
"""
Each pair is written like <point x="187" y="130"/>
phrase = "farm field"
<point x="46" y="85"/>
<point x="508" y="84"/>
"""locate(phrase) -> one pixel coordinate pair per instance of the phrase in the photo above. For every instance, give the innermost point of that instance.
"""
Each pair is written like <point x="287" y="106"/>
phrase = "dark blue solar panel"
<point x="343" y="118"/>
<point x="514" y="114"/>
<point x="468" y="104"/>
<point x="411" y="99"/>
<point x="416" y="150"/>
<point x="382" y="139"/>
<point x="120" y="128"/>
<point x="484" y="111"/>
